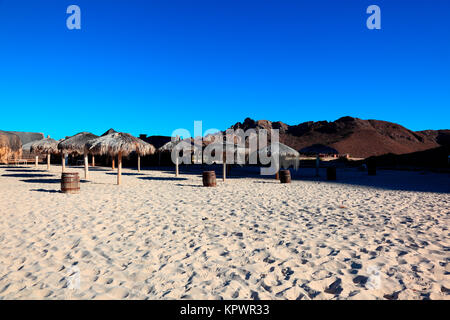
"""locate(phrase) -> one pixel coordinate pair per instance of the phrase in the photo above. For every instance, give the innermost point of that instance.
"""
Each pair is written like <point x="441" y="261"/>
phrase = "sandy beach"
<point x="161" y="237"/>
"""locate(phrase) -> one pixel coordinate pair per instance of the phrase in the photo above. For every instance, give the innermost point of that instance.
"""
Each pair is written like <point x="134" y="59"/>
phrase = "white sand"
<point x="162" y="238"/>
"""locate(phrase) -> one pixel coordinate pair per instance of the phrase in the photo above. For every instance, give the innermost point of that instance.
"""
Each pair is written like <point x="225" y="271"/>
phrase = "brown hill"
<point x="442" y="137"/>
<point x="357" y="137"/>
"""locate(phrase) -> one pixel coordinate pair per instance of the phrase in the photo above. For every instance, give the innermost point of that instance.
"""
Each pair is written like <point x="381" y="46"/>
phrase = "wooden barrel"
<point x="70" y="182"/>
<point x="209" y="178"/>
<point x="371" y="168"/>
<point x="331" y="173"/>
<point x="285" y="176"/>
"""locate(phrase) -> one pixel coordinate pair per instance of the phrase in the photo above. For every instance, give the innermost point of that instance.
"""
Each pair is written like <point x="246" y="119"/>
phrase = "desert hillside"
<point x="357" y="137"/>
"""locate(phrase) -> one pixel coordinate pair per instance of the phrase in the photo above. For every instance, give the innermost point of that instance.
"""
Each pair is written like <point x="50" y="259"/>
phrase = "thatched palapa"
<point x="10" y="146"/>
<point x="222" y="149"/>
<point x="180" y="145"/>
<point x="105" y="134"/>
<point x="26" y="148"/>
<point x="46" y="146"/>
<point x="76" y="145"/>
<point x="120" y="144"/>
<point x="287" y="155"/>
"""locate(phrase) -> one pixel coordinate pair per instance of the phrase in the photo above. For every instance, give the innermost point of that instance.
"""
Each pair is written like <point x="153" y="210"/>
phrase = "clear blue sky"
<point x="154" y="66"/>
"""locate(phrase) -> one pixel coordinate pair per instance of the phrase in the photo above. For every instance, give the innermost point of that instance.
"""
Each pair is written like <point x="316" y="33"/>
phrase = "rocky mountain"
<point x="357" y="137"/>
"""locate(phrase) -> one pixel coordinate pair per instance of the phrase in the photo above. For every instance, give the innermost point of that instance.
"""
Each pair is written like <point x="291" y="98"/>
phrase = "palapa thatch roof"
<point x="144" y="148"/>
<point x="10" y="146"/>
<point x="45" y="146"/>
<point x="116" y="142"/>
<point x="76" y="144"/>
<point x="170" y="146"/>
<point x="10" y="140"/>
<point x="318" y="149"/>
<point x="287" y="156"/>
<point x="283" y="150"/>
<point x="27" y="146"/>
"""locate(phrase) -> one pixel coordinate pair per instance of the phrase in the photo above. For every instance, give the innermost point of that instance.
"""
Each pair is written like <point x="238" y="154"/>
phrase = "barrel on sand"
<point x="209" y="178"/>
<point x="70" y="182"/>
<point x="285" y="176"/>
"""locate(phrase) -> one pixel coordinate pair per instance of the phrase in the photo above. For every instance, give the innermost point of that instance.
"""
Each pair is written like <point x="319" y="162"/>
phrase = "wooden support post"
<point x="224" y="161"/>
<point x="224" y="171"/>
<point x="176" y="167"/>
<point x="93" y="160"/>
<point x="48" y="161"/>
<point x="86" y="165"/>
<point x="139" y="163"/>
<point x="63" y="162"/>
<point x="119" y="168"/>
<point x="113" y="163"/>
<point x="36" y="161"/>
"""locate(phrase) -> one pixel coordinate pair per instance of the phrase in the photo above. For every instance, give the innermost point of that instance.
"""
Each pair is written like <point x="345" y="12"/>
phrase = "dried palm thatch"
<point x="283" y="150"/>
<point x="11" y="140"/>
<point x="144" y="148"/>
<point x="119" y="142"/>
<point x="10" y="146"/>
<point x="76" y="144"/>
<point x="171" y="145"/>
<point x="179" y="145"/>
<point x="287" y="155"/>
<point x="45" y="146"/>
<point x="27" y="147"/>
<point x="226" y="152"/>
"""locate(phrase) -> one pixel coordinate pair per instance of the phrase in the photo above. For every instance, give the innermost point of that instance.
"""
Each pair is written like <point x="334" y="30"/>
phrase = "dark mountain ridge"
<point x="354" y="136"/>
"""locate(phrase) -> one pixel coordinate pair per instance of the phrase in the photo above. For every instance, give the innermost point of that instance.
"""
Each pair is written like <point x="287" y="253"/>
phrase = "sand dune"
<point x="157" y="237"/>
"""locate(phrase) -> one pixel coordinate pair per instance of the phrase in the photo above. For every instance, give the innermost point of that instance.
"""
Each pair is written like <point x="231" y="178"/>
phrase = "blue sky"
<point x="155" y="66"/>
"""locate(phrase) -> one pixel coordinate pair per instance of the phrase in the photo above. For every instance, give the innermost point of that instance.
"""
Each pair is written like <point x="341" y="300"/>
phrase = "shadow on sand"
<point x="125" y="174"/>
<point x="190" y="185"/>
<point x="396" y="180"/>
<point x="95" y="169"/>
<point x="163" y="178"/>
<point x="27" y="175"/>
<point x="47" y="191"/>
<point x="41" y="180"/>
<point x="46" y="181"/>
<point x="24" y="170"/>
